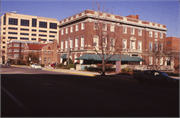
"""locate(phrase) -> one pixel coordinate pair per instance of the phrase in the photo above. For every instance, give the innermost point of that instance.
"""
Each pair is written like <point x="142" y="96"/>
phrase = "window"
<point x="156" y="34"/>
<point x="43" y="39"/>
<point x="24" y="38"/>
<point x="150" y="60"/>
<point x="168" y="60"/>
<point x="3" y="46"/>
<point x="16" y="55"/>
<point x="112" y="42"/>
<point x="139" y="45"/>
<point x="4" y="20"/>
<point x="62" y="44"/>
<point x="66" y="30"/>
<point x="34" y="22"/>
<point x="168" y="42"/>
<point x="66" y="43"/>
<point x="44" y="52"/>
<point x="4" y="32"/>
<point x="76" y="27"/>
<point x="12" y="32"/>
<point x="49" y="59"/>
<point x="112" y="28"/>
<point x="33" y="34"/>
<point x="4" y="42"/>
<point x="43" y="35"/>
<point x="12" y="37"/>
<point x="150" y="46"/>
<point x="52" y="32"/>
<point x="42" y="31"/>
<point x="34" y="30"/>
<point x="125" y="30"/>
<point x="42" y="24"/>
<point x="16" y="50"/>
<point x="33" y="38"/>
<point x="132" y="45"/>
<point x="62" y="32"/>
<point x="161" y="46"/>
<point x="82" y="41"/>
<point x="24" y="22"/>
<point x="24" y="33"/>
<point x="96" y="41"/>
<point x="51" y="36"/>
<point x="76" y="42"/>
<point x="156" y="47"/>
<point x="44" y="59"/>
<point x="124" y="44"/>
<point x="13" y="21"/>
<point x="71" y="30"/>
<point x="12" y="28"/>
<point x="104" y="27"/>
<point x="16" y="45"/>
<point x="95" y="25"/>
<point x="156" y="61"/>
<point x="161" y="61"/>
<point x="139" y="32"/>
<point x="150" y="33"/>
<point x="53" y="26"/>
<point x="82" y="26"/>
<point x="132" y="31"/>
<point x="71" y="43"/>
<point x="161" y="35"/>
<point x="24" y="29"/>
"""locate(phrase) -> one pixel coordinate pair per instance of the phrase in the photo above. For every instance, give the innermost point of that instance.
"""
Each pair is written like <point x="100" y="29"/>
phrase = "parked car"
<point x="7" y="64"/>
<point x="153" y="76"/>
<point x="36" y="66"/>
<point x="52" y="65"/>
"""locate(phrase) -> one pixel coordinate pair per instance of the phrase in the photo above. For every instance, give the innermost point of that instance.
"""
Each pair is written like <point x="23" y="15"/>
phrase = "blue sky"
<point x="163" y="12"/>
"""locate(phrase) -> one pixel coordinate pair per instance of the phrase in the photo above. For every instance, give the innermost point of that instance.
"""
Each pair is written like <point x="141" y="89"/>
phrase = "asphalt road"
<point x="38" y="93"/>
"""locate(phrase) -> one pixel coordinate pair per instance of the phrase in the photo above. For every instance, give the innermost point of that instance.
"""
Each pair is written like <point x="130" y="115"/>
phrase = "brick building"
<point x="138" y="37"/>
<point x="47" y="52"/>
<point x="26" y="28"/>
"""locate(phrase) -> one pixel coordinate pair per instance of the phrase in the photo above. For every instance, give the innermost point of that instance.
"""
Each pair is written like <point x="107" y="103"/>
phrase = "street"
<point x="40" y="93"/>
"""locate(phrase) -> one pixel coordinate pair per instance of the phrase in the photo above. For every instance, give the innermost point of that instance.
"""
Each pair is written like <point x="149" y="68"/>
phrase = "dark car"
<point x="154" y="76"/>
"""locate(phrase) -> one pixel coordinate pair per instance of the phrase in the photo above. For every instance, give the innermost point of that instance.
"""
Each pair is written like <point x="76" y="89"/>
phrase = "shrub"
<point x="42" y="65"/>
<point x="60" y="65"/>
<point x="27" y="64"/>
<point x="126" y="70"/>
<point x="21" y="62"/>
<point x="70" y="61"/>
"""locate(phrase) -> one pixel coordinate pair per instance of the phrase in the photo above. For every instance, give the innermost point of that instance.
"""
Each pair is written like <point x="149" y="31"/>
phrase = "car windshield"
<point x="37" y="64"/>
<point x="164" y="74"/>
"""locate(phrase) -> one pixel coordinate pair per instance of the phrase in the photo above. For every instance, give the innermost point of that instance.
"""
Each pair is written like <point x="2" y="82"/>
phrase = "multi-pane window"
<point x="62" y="32"/>
<point x="161" y="61"/>
<point x="124" y="44"/>
<point x="33" y="38"/>
<point x="51" y="36"/>
<point x="95" y="25"/>
<point x="139" y="32"/>
<point x="76" y="27"/>
<point x="139" y="45"/>
<point x="49" y="59"/>
<point x="44" y="52"/>
<point x="34" y="22"/>
<point x="12" y="32"/>
<point x="4" y="20"/>
<point x="82" y="41"/>
<point x="42" y="24"/>
<point x="66" y="43"/>
<point x="156" y="61"/>
<point x="12" y="37"/>
<point x="44" y="59"/>
<point x="53" y="26"/>
<point x="12" y="28"/>
<point x="16" y="45"/>
<point x="161" y="35"/>
<point x="13" y="21"/>
<point x="76" y="42"/>
<point x="132" y="31"/>
<point x="150" y="46"/>
<point x="112" y="28"/>
<point x="43" y="39"/>
<point x="24" y="33"/>
<point x="24" y="29"/>
<point x="24" y="22"/>
<point x="52" y="32"/>
<point x="62" y="44"/>
<point x="132" y="44"/>
<point x="33" y="34"/>
<point x="104" y="27"/>
<point x="161" y="46"/>
<point x="150" y="60"/>
<point x="42" y="31"/>
<point x="96" y="41"/>
<point x="71" y="29"/>
<point x="82" y="26"/>
<point x="156" y="34"/>
<point x="16" y="55"/>
<point x="112" y="42"/>
<point x="150" y="33"/>
<point x="34" y="30"/>
<point x="66" y="30"/>
<point x="43" y="35"/>
<point x="168" y="61"/>
<point x="125" y="30"/>
<point x="24" y="38"/>
<point x="71" y="43"/>
<point x="156" y="47"/>
<point x="16" y="50"/>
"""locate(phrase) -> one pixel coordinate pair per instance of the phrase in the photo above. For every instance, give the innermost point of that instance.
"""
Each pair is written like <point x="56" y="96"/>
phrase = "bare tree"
<point x="105" y="35"/>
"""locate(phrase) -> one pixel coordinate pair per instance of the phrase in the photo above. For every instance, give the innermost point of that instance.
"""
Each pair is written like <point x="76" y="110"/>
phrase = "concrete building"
<point x="26" y="28"/>
<point x="138" y="37"/>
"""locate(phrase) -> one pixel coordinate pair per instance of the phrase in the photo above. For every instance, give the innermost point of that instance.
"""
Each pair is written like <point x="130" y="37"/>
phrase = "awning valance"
<point x="96" y="57"/>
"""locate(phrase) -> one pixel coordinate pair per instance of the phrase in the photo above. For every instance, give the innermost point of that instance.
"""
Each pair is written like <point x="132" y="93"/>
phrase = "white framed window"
<point x="104" y="39"/>
<point x="77" y="27"/>
<point x="125" y="30"/>
<point x="49" y="60"/>
<point x="132" y="44"/>
<point x="112" y="28"/>
<point x="82" y="41"/>
<point x="96" y="41"/>
<point x="62" y="44"/>
<point x="96" y="25"/>
<point x="16" y="55"/>
<point x="161" y="48"/>
<point x="156" y="34"/>
<point x="71" y="43"/>
<point x="112" y="42"/>
<point x="16" y="50"/>
<point x="150" y="46"/>
<point x="16" y="45"/>
<point x="139" y="32"/>
<point x="82" y="26"/>
<point x="124" y="44"/>
<point x="77" y="16"/>
<point x="71" y="29"/>
<point x="150" y="60"/>
<point x="66" y="44"/>
<point x="150" y="33"/>
<point x="104" y="27"/>
<point x="161" y="61"/>
<point x="161" y="35"/>
<point x="139" y="45"/>
<point x="156" y="61"/>
<point x="76" y="42"/>
<point x="132" y="31"/>
<point x="44" y="59"/>
<point x="156" y="46"/>
<point x="67" y="30"/>
<point x="71" y="17"/>
<point x="62" y="32"/>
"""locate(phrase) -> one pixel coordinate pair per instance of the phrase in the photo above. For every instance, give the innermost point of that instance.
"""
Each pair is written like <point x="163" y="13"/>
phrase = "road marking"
<point x="14" y="99"/>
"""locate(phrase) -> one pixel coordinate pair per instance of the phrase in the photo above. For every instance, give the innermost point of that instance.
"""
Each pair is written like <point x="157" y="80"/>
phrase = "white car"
<point x="36" y="66"/>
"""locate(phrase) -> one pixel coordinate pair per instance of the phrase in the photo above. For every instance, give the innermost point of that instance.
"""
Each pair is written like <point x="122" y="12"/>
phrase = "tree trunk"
<point x="103" y="67"/>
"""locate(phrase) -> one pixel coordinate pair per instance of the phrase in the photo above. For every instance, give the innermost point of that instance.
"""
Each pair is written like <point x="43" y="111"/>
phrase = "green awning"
<point x="64" y="56"/>
<point x="96" y="57"/>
